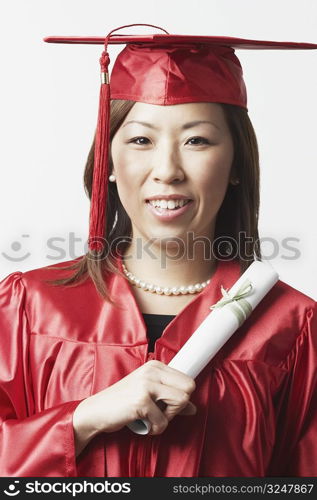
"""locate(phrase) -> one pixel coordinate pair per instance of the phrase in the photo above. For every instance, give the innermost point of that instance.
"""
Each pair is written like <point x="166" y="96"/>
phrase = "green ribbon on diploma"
<point x="237" y="303"/>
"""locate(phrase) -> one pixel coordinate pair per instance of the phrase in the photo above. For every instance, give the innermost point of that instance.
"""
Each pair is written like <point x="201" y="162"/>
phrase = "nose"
<point x="167" y="165"/>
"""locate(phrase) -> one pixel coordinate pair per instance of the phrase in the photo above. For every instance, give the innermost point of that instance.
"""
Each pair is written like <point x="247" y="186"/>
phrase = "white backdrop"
<point x="49" y="97"/>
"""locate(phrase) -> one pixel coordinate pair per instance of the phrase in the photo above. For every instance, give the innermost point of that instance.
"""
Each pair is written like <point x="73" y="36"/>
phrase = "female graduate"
<point x="85" y="345"/>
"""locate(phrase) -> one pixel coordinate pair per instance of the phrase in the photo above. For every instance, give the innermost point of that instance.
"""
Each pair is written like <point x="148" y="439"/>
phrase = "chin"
<point x="168" y="238"/>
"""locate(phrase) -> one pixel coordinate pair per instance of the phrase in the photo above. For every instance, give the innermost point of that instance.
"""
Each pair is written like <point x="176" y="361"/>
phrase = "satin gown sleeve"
<point x="31" y="444"/>
<point x="295" y="453"/>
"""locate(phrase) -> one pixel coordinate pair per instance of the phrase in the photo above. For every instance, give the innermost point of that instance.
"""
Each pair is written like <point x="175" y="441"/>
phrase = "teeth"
<point x="170" y="204"/>
<point x="163" y="204"/>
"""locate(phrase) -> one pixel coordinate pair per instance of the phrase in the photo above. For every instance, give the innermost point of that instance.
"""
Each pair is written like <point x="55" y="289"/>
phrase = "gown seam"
<point x="304" y="331"/>
<point x="94" y="372"/>
<point x="216" y="365"/>
<point x="87" y="343"/>
<point x="257" y="361"/>
<point x="24" y="303"/>
<point x="30" y="398"/>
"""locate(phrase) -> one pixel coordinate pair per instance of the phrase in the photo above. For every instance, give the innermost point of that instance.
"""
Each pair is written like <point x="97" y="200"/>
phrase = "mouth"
<point x="172" y="205"/>
<point x="168" y="210"/>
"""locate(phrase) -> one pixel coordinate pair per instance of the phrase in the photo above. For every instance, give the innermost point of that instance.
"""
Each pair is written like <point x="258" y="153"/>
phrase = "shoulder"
<point x="11" y="290"/>
<point x="296" y="321"/>
<point x="288" y="309"/>
<point x="281" y="322"/>
<point x="286" y="301"/>
<point x="55" y="271"/>
<point x="284" y="307"/>
<point x="39" y="281"/>
<point x="51" y="308"/>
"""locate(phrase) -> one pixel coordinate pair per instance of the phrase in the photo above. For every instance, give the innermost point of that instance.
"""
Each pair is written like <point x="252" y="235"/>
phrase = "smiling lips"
<point x="169" y="204"/>
<point x="167" y="208"/>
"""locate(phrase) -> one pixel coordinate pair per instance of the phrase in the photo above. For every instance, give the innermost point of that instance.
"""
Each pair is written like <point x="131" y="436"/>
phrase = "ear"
<point x="232" y="174"/>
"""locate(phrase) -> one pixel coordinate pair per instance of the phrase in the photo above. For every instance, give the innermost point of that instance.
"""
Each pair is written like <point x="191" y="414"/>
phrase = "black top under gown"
<point x="155" y="324"/>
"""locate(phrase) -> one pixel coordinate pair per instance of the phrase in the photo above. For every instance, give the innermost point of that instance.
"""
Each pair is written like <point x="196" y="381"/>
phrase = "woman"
<point x="184" y="188"/>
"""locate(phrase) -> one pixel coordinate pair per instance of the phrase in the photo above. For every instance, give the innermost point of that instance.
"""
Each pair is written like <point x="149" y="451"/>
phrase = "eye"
<point x="140" y="141"/>
<point x="197" y="141"/>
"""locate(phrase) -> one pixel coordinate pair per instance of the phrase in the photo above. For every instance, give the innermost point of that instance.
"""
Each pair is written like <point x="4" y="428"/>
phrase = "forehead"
<point x="177" y="113"/>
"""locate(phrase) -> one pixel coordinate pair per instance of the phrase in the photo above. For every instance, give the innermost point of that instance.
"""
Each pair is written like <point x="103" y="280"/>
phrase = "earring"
<point x="235" y="182"/>
<point x="112" y="178"/>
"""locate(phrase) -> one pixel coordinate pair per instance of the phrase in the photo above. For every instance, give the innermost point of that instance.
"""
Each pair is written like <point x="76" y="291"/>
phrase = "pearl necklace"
<point x="175" y="290"/>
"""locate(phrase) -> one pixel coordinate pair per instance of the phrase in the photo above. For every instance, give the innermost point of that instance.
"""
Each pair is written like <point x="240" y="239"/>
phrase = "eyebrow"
<point x="184" y="127"/>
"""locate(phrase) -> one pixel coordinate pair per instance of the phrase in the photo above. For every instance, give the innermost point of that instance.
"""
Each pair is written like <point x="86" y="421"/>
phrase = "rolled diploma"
<point x="217" y="328"/>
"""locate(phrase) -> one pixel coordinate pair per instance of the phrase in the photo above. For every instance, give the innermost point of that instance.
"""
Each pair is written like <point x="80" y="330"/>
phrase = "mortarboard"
<point x="162" y="69"/>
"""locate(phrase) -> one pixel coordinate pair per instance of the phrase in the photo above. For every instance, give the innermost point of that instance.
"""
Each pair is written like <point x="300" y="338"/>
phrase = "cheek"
<point x="127" y="164"/>
<point x="213" y="175"/>
<point x="129" y="179"/>
<point x="125" y="167"/>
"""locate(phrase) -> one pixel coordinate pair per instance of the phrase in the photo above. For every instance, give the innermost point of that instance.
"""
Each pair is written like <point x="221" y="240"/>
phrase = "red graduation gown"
<point x="256" y="400"/>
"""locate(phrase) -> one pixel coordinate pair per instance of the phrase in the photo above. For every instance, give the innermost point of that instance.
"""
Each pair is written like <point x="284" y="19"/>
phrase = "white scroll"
<point x="226" y="317"/>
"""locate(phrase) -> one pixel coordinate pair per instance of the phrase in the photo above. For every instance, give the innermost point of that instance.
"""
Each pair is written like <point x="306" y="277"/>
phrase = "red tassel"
<point x="97" y="220"/>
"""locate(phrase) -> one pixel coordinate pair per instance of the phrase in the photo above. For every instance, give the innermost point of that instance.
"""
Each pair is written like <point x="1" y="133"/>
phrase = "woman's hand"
<point x="134" y="397"/>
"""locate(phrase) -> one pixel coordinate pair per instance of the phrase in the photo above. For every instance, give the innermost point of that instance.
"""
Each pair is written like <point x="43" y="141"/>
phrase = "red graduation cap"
<point x="162" y="69"/>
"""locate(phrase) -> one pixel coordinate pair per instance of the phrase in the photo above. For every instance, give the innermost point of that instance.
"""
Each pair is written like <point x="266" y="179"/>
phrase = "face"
<point x="184" y="151"/>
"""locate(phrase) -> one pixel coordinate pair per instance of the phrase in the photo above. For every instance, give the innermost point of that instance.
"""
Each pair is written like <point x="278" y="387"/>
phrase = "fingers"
<point x="190" y="409"/>
<point x="161" y="404"/>
<point x="169" y="390"/>
<point x="170" y="400"/>
<point x="170" y="376"/>
<point x="160" y="414"/>
<point x="157" y="419"/>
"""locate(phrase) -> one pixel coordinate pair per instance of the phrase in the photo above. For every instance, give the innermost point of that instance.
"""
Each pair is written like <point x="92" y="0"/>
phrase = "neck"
<point x="170" y="266"/>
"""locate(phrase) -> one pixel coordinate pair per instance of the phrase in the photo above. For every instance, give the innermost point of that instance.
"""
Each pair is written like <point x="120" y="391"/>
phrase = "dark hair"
<point x="238" y="214"/>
